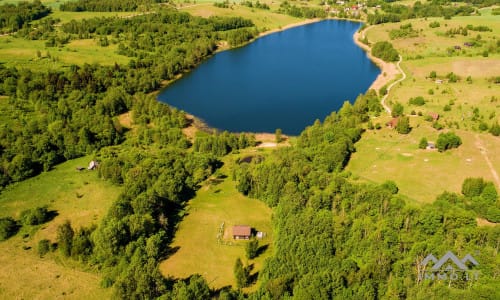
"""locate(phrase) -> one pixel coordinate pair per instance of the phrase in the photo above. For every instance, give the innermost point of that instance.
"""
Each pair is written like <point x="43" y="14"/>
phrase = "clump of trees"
<point x="483" y="198"/>
<point x="14" y="16"/>
<point x="106" y="5"/>
<point x="8" y="228"/>
<point x="418" y="101"/>
<point x="446" y="141"/>
<point x="385" y="51"/>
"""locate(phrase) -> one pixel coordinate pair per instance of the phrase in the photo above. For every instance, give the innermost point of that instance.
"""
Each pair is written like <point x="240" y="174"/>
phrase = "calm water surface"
<point x="284" y="80"/>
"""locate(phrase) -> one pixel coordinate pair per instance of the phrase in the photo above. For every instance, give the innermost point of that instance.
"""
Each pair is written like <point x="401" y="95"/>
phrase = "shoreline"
<point x="388" y="71"/>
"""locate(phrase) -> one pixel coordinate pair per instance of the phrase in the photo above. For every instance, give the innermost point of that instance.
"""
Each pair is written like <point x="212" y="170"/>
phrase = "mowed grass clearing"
<point x="421" y="175"/>
<point x="198" y="250"/>
<point x="263" y="19"/>
<point x="80" y="197"/>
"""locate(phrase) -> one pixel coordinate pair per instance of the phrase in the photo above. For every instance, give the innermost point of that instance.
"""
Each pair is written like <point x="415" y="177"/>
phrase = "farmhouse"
<point x="392" y="123"/>
<point x="434" y="116"/>
<point x="242" y="232"/>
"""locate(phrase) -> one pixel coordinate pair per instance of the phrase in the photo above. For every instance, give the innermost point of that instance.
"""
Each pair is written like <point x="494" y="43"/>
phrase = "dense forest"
<point x="13" y="17"/>
<point x="341" y="239"/>
<point x="58" y="115"/>
<point x="96" y="5"/>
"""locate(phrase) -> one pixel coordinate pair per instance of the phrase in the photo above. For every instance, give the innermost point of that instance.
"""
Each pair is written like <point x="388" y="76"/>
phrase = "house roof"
<point x="435" y="116"/>
<point x="242" y="230"/>
<point x="393" y="122"/>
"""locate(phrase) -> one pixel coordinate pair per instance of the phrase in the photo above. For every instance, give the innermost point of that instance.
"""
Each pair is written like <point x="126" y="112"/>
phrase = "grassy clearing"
<point x="263" y="19"/>
<point x="421" y="175"/>
<point x="34" y="55"/>
<point x="196" y="238"/>
<point x="80" y="197"/>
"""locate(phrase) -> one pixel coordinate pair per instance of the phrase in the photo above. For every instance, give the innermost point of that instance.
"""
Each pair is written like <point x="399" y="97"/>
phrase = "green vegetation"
<point x="447" y="141"/>
<point x="13" y="17"/>
<point x="385" y="51"/>
<point x="159" y="196"/>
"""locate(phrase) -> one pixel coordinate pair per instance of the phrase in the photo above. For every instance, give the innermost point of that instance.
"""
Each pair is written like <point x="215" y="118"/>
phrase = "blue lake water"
<point x="283" y="80"/>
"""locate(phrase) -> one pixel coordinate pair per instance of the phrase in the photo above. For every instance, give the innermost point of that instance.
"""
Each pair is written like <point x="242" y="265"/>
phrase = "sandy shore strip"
<point x="389" y="71"/>
<point x="283" y="28"/>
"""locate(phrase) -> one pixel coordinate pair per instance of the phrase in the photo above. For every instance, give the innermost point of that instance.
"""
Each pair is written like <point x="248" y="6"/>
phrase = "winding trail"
<point x="386" y="107"/>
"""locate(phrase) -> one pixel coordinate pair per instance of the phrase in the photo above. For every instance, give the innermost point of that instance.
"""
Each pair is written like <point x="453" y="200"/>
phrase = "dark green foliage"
<point x="397" y="110"/>
<point x="447" y="107"/>
<point x="434" y="24"/>
<point x="385" y="51"/>
<point x="483" y="198"/>
<point x="222" y="144"/>
<point x="423" y="143"/>
<point x="277" y="135"/>
<point x="404" y="31"/>
<point x="13" y="17"/>
<point x="106" y="5"/>
<point x="301" y="12"/>
<point x="472" y="187"/>
<point x="433" y="75"/>
<point x="390" y="186"/>
<point x="495" y="129"/>
<point x="35" y="216"/>
<point x="65" y="235"/>
<point x="252" y="248"/>
<point x="195" y="288"/>
<point x="447" y="141"/>
<point x="241" y="274"/>
<point x="403" y="125"/>
<point x="8" y="227"/>
<point x="418" y="101"/>
<point x="255" y="5"/>
<point x="43" y="247"/>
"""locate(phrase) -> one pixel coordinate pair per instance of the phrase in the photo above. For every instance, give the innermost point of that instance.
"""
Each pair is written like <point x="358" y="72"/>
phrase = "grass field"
<point x="80" y="197"/>
<point x="198" y="250"/>
<point x="420" y="174"/>
<point x="263" y="19"/>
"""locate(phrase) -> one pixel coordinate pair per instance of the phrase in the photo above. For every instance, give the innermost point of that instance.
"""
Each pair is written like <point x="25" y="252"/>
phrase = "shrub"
<point x="447" y="141"/>
<point x="495" y="129"/>
<point x="252" y="248"/>
<point x="418" y="101"/>
<point x="397" y="110"/>
<point x="423" y="143"/>
<point x="8" y="227"/>
<point x="35" y="216"/>
<point x="385" y="51"/>
<point x="43" y="247"/>
<point x="403" y="126"/>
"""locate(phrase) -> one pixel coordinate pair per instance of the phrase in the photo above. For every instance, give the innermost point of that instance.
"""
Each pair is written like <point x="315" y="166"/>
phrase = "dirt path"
<point x="484" y="153"/>
<point x="387" y="108"/>
<point x="389" y="71"/>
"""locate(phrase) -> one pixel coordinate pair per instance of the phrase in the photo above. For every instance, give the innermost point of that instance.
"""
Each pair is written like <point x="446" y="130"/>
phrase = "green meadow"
<point x="197" y="249"/>
<point x="78" y="196"/>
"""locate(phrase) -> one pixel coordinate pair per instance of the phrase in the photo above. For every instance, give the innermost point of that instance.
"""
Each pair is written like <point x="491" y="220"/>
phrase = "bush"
<point x="35" y="216"/>
<point x="403" y="126"/>
<point x="8" y="227"/>
<point x="43" y="247"/>
<point x="385" y="51"/>
<point x="447" y="141"/>
<point x="423" y="143"/>
<point x="252" y="248"/>
<point x="418" y="101"/>
<point x="472" y="187"/>
<point x="397" y="110"/>
<point x="495" y="129"/>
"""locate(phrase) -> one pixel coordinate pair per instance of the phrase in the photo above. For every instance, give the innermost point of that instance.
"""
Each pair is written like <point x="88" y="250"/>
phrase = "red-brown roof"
<point x="392" y="123"/>
<point x="242" y="230"/>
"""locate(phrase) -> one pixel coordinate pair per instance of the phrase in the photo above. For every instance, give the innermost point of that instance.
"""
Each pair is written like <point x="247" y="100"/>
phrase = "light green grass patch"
<point x="421" y="175"/>
<point x="263" y="19"/>
<point x="196" y="238"/>
<point x="80" y="197"/>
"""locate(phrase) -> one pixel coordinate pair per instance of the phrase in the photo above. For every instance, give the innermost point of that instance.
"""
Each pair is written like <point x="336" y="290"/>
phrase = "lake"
<point x="283" y="80"/>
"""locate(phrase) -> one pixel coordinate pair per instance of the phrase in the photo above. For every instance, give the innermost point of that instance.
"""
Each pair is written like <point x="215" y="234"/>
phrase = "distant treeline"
<point x="302" y="12"/>
<point x="13" y="17"/>
<point x="399" y="12"/>
<point x="107" y="5"/>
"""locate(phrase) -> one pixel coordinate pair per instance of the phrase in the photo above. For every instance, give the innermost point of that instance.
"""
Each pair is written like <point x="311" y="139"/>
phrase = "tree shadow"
<point x="261" y="250"/>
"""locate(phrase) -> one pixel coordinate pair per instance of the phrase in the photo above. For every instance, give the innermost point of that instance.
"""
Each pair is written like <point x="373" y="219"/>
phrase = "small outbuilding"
<point x="242" y="232"/>
<point x="392" y="123"/>
<point x="93" y="165"/>
<point x="430" y="146"/>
